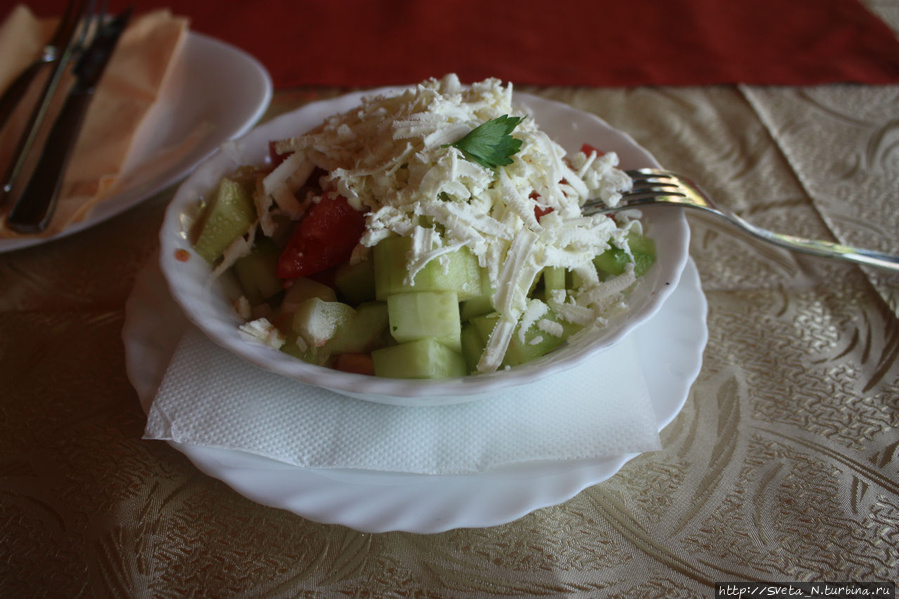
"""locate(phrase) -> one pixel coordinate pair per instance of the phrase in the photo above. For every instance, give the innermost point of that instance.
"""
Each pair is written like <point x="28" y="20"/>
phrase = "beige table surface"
<point x="782" y="466"/>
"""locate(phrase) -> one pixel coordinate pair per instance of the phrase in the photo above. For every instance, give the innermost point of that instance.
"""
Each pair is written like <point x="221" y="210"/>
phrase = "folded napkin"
<point x="209" y="397"/>
<point x="131" y="84"/>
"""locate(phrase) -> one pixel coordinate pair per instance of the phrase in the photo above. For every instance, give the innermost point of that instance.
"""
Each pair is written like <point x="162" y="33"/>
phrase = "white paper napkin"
<point x="210" y="397"/>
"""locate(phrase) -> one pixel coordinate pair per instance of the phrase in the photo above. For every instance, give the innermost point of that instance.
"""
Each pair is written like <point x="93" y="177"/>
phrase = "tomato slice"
<point x="588" y="149"/>
<point x="323" y="239"/>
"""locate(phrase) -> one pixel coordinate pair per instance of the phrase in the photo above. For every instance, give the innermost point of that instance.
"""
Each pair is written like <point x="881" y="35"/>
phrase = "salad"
<point x="431" y="232"/>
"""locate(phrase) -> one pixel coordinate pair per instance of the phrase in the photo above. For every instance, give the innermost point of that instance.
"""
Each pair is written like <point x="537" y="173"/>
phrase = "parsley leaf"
<point x="491" y="144"/>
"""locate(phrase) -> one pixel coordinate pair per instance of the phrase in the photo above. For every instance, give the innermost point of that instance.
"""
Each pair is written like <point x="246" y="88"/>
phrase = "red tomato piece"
<point x="324" y="238"/>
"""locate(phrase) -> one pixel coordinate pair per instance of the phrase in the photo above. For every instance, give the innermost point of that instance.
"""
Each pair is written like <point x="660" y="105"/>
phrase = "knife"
<point x="34" y="208"/>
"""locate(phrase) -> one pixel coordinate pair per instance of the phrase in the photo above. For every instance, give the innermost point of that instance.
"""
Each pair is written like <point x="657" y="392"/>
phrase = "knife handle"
<point x="34" y="208"/>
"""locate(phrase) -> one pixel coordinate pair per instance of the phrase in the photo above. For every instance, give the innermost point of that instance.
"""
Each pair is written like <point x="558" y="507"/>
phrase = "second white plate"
<point x="215" y="90"/>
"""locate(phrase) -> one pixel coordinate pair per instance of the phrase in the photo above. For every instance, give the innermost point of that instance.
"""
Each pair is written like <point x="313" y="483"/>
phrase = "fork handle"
<point x="824" y="249"/>
<point x="34" y="208"/>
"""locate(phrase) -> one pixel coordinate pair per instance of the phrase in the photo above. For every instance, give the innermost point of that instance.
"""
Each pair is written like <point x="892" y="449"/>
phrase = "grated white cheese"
<point x="263" y="331"/>
<point x="535" y="310"/>
<point x="389" y="158"/>
<point x="550" y="327"/>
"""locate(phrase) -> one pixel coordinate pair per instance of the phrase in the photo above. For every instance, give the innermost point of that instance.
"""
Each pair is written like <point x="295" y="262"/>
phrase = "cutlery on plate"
<point x="67" y="41"/>
<point x="53" y="52"/>
<point x="34" y="208"/>
<point x="654" y="187"/>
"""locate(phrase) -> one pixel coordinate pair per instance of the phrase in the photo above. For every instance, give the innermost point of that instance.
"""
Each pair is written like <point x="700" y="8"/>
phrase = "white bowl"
<point x="208" y="307"/>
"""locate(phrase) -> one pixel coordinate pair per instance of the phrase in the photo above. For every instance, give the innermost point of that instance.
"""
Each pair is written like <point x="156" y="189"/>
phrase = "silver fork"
<point x="78" y="23"/>
<point x="655" y="187"/>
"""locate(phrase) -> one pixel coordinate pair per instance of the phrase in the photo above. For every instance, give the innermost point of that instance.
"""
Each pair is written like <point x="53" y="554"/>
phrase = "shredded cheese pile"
<point x="389" y="158"/>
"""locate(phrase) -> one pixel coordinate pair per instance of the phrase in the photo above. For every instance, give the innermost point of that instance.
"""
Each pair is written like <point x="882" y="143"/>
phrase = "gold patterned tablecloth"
<point x="782" y="466"/>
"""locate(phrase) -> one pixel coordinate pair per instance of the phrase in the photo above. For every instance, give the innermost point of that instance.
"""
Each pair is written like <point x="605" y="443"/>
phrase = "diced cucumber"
<point x="483" y="304"/>
<point x="536" y="342"/>
<point x="366" y="331"/>
<point x="475" y="335"/>
<point x="644" y="250"/>
<point x="317" y="321"/>
<point x="425" y="314"/>
<point x="302" y="289"/>
<point x="421" y="359"/>
<point x="554" y="278"/>
<point x="476" y="306"/>
<point x="256" y="272"/>
<point x="472" y="346"/>
<point x="456" y="271"/>
<point x="307" y="353"/>
<point x="613" y="261"/>
<point x="229" y="214"/>
<point x="356" y="282"/>
<point x="484" y="324"/>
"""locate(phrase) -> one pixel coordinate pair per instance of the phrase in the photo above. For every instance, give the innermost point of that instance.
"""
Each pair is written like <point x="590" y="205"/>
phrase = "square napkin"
<point x="210" y="397"/>
<point x="131" y="84"/>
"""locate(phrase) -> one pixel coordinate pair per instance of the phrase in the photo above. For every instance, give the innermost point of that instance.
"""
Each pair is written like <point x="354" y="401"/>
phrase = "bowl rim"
<point x="197" y="300"/>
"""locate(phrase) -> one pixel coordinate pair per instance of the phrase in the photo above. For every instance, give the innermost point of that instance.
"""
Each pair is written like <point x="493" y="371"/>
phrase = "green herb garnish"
<point x="491" y="144"/>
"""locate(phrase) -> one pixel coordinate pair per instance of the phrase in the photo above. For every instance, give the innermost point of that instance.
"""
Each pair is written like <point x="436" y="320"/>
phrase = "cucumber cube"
<point x="356" y="282"/>
<point x="256" y="272"/>
<point x="613" y="261"/>
<point x="472" y="346"/>
<point x="485" y="324"/>
<point x="536" y="341"/>
<point x="298" y="348"/>
<point x="644" y="250"/>
<point x="554" y="278"/>
<point x="482" y="304"/>
<point x="426" y="314"/>
<point x="229" y="214"/>
<point x="366" y="331"/>
<point x="302" y="289"/>
<point x="421" y="359"/>
<point x="457" y="271"/>
<point x="476" y="306"/>
<point x="317" y="321"/>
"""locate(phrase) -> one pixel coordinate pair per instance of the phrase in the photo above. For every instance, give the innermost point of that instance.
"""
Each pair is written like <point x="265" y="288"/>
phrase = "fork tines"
<point x="652" y="183"/>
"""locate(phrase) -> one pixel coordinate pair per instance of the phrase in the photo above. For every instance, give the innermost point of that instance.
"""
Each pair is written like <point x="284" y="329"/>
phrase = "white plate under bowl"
<point x="669" y="349"/>
<point x="215" y="89"/>
<point x="209" y="308"/>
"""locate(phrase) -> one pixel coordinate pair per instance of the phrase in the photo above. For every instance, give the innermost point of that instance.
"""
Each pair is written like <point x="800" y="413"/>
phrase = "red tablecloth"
<point x="549" y="42"/>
